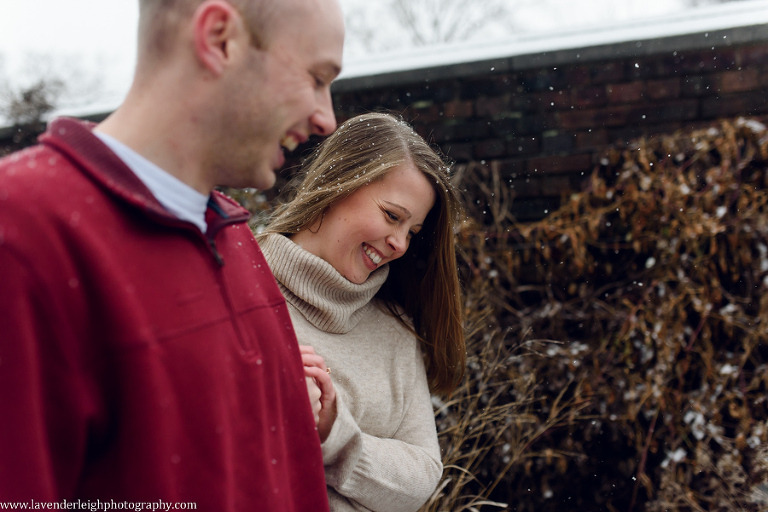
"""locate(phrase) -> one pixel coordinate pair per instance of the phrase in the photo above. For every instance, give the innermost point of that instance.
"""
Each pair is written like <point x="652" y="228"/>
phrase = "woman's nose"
<point x="398" y="242"/>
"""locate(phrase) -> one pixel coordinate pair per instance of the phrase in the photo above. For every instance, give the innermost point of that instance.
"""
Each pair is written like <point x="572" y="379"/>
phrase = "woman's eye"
<point x="391" y="216"/>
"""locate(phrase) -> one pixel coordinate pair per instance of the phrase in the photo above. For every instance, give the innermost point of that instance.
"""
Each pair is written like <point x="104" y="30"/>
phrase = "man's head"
<point x="160" y="21"/>
<point x="254" y="74"/>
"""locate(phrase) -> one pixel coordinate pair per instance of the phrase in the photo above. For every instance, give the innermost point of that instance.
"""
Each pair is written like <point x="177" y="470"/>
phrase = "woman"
<point x="386" y="322"/>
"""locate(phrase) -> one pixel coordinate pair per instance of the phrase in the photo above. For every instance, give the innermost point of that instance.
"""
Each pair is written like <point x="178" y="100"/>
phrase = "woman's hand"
<point x="319" y="378"/>
<point x="314" y="397"/>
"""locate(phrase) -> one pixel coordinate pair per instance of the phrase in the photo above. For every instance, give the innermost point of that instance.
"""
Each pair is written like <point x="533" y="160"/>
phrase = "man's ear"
<point x="216" y="24"/>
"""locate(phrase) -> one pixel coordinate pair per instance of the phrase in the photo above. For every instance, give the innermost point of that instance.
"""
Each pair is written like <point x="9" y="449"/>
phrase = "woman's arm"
<point x="382" y="474"/>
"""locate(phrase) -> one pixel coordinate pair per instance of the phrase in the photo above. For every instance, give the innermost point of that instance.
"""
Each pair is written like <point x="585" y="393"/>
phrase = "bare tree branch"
<point x="44" y="83"/>
<point x="426" y="22"/>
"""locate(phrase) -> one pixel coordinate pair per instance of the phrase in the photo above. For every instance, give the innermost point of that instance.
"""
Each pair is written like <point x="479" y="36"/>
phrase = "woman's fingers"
<point x="315" y="395"/>
<point x="327" y="414"/>
<point x="306" y="349"/>
<point x="324" y="408"/>
<point x="313" y="360"/>
<point x="310" y="358"/>
<point x="322" y="380"/>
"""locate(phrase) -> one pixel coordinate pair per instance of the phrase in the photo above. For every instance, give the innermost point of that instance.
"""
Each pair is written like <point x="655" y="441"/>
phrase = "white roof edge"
<point x="702" y="20"/>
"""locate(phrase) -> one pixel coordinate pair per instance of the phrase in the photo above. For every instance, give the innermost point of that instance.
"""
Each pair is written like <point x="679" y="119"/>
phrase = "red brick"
<point x="625" y="134"/>
<point x="509" y="168"/>
<point x="552" y="100"/>
<point x="594" y="139"/>
<point x="491" y="106"/>
<point x="751" y="103"/>
<point x="640" y="69"/>
<point x="542" y="79"/>
<point x="423" y="112"/>
<point x="665" y="65"/>
<point x="539" y="122"/>
<point x="522" y="103"/>
<point x="577" y="119"/>
<point x="487" y="149"/>
<point x="523" y="145"/>
<point x="724" y="106"/>
<point x="663" y="89"/>
<point x="608" y="72"/>
<point x="756" y="103"/>
<point x="555" y="186"/>
<point x="577" y="76"/>
<point x="704" y="85"/>
<point x="753" y="55"/>
<point x="725" y="59"/>
<point x="676" y="110"/>
<point x="570" y="163"/>
<point x="507" y="126"/>
<point x="461" y="152"/>
<point x="612" y="116"/>
<point x="588" y="97"/>
<point x="556" y="143"/>
<point x="699" y="62"/>
<point x="625" y="93"/>
<point x="458" y="108"/>
<point x="739" y="81"/>
<point x="484" y="86"/>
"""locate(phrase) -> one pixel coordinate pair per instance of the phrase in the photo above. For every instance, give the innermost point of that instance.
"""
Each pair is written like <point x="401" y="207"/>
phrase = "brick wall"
<point x="543" y="120"/>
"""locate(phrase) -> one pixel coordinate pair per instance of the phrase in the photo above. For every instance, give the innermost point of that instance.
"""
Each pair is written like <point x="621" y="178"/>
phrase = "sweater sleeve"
<point x="42" y="441"/>
<point x="386" y="475"/>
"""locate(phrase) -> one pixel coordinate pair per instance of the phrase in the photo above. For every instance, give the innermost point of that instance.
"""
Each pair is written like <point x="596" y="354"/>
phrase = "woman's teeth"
<point x="371" y="254"/>
<point x="289" y="142"/>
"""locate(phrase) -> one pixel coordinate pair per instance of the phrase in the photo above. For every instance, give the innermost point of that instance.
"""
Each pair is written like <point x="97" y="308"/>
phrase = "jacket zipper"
<point x="215" y="251"/>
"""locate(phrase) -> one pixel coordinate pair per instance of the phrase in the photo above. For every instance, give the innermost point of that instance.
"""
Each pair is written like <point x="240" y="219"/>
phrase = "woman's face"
<point x="373" y="226"/>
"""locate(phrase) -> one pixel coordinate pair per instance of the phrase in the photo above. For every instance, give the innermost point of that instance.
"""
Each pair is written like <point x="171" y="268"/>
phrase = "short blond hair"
<point x="159" y="22"/>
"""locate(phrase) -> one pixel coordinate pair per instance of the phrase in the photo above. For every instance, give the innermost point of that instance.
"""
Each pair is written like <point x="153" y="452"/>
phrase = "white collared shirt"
<point x="177" y="197"/>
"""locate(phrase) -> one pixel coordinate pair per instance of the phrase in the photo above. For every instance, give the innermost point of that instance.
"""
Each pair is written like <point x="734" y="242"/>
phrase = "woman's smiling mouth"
<point x="372" y="254"/>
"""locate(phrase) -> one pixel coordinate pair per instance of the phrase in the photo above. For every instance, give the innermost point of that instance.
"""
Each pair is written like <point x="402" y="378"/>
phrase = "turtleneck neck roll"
<point x="323" y="296"/>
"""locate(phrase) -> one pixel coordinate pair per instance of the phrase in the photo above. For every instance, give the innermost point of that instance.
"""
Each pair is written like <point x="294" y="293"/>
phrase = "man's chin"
<point x="265" y="179"/>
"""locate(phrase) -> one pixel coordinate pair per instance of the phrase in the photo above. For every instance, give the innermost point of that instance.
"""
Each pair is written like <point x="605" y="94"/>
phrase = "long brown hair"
<point x="424" y="282"/>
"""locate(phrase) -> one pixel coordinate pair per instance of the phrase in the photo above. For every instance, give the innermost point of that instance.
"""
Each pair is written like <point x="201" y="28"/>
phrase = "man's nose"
<point x="324" y="119"/>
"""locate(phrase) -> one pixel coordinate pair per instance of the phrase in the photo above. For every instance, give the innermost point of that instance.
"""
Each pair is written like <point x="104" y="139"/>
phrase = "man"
<point x="145" y="351"/>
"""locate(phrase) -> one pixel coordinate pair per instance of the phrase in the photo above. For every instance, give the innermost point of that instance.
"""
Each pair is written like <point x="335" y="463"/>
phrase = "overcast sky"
<point x="94" y="40"/>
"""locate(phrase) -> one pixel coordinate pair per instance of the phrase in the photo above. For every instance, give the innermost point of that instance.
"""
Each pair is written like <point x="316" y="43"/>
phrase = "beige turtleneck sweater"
<point x="382" y="453"/>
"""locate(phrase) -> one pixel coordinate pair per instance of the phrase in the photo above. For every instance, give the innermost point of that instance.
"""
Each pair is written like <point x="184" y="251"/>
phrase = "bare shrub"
<point x="653" y="281"/>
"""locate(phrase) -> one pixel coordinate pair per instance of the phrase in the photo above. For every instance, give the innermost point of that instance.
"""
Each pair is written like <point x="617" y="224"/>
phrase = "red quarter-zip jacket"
<point x="140" y="359"/>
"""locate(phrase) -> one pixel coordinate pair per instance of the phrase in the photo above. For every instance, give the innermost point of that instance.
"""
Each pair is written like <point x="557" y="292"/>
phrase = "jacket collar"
<point x="73" y="138"/>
